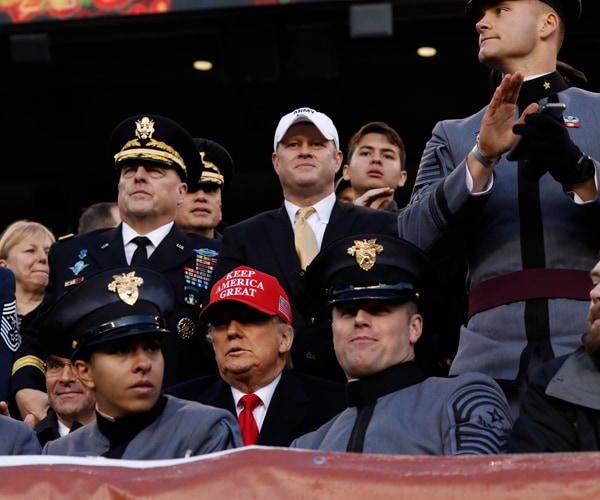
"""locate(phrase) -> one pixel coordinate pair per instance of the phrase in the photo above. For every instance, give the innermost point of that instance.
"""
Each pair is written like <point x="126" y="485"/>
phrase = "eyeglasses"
<point x="56" y="367"/>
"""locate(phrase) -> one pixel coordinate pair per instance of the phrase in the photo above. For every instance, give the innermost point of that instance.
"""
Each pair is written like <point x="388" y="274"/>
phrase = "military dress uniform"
<point x="530" y="246"/>
<point x="399" y="410"/>
<point x="186" y="259"/>
<point x="415" y="415"/>
<point x="177" y="429"/>
<point x="113" y="307"/>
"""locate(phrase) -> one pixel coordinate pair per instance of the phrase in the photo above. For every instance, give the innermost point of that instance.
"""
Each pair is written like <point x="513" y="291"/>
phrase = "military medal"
<point x="571" y="121"/>
<point x="185" y="328"/>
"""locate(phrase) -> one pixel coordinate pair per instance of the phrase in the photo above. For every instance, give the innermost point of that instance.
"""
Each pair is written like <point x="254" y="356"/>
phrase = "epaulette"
<point x="66" y="237"/>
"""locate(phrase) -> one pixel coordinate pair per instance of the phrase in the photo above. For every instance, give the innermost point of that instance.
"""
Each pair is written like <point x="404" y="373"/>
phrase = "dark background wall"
<point x="57" y="114"/>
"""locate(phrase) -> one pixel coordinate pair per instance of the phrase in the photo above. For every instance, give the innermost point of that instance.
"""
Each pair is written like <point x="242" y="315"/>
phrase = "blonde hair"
<point x="18" y="232"/>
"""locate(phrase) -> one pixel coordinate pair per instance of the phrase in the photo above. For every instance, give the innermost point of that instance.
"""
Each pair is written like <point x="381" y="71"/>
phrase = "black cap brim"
<point x="125" y="327"/>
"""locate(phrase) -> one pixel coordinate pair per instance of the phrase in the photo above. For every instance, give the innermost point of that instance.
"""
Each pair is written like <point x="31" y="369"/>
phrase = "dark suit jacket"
<point x="176" y="257"/>
<point x="301" y="403"/>
<point x="266" y="242"/>
<point x="47" y="428"/>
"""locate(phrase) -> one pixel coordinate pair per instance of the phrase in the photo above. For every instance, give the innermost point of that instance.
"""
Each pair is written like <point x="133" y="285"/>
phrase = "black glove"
<point x="548" y="147"/>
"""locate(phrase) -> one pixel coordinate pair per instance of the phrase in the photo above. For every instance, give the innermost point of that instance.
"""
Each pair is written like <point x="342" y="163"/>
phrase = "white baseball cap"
<point x="307" y="115"/>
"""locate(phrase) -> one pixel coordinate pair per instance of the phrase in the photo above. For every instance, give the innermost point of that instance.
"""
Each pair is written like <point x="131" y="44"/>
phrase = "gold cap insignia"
<point x="126" y="285"/>
<point x="144" y="128"/>
<point x="366" y="252"/>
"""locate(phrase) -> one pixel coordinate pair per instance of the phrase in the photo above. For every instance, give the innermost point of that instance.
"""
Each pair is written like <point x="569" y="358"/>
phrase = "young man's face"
<point x="126" y="375"/>
<point x="371" y="335"/>
<point x="201" y="210"/>
<point x="375" y="163"/>
<point x="509" y="31"/>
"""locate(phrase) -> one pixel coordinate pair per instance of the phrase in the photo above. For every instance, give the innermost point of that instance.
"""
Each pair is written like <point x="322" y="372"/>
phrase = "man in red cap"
<point x="250" y="326"/>
<point x="306" y="157"/>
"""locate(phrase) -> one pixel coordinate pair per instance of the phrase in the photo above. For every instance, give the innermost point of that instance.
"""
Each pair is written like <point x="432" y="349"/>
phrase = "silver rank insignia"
<point x="185" y="328"/>
<point x="126" y="286"/>
<point x="365" y="252"/>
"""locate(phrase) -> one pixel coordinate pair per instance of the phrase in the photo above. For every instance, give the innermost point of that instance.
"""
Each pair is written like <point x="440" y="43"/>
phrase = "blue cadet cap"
<point x="110" y="305"/>
<point x="369" y="266"/>
<point x="216" y="162"/>
<point x="156" y="139"/>
<point x="568" y="10"/>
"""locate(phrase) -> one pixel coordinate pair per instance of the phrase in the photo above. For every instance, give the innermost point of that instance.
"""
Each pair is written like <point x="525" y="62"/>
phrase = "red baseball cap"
<point x="253" y="288"/>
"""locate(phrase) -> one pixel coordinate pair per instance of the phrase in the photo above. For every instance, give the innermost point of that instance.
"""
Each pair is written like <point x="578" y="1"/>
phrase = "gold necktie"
<point x="304" y="237"/>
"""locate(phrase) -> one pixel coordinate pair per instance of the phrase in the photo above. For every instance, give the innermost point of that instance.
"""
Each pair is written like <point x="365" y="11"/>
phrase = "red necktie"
<point x="246" y="419"/>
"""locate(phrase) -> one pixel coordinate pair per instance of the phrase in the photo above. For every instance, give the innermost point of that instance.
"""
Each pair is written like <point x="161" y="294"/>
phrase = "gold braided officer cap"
<point x="217" y="164"/>
<point x="156" y="139"/>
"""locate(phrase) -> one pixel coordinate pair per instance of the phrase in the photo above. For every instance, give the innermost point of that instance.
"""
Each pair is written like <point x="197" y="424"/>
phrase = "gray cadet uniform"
<point x="17" y="438"/>
<point x="182" y="429"/>
<point x="397" y="409"/>
<point x="529" y="245"/>
<point x="112" y="308"/>
<point x="465" y="415"/>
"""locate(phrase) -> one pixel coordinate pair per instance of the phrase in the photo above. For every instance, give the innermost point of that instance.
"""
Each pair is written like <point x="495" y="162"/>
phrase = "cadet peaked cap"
<point x="156" y="139"/>
<point x="568" y="10"/>
<point x="368" y="266"/>
<point x="110" y="305"/>
<point x="252" y="288"/>
<point x="217" y="164"/>
<point x="307" y="115"/>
